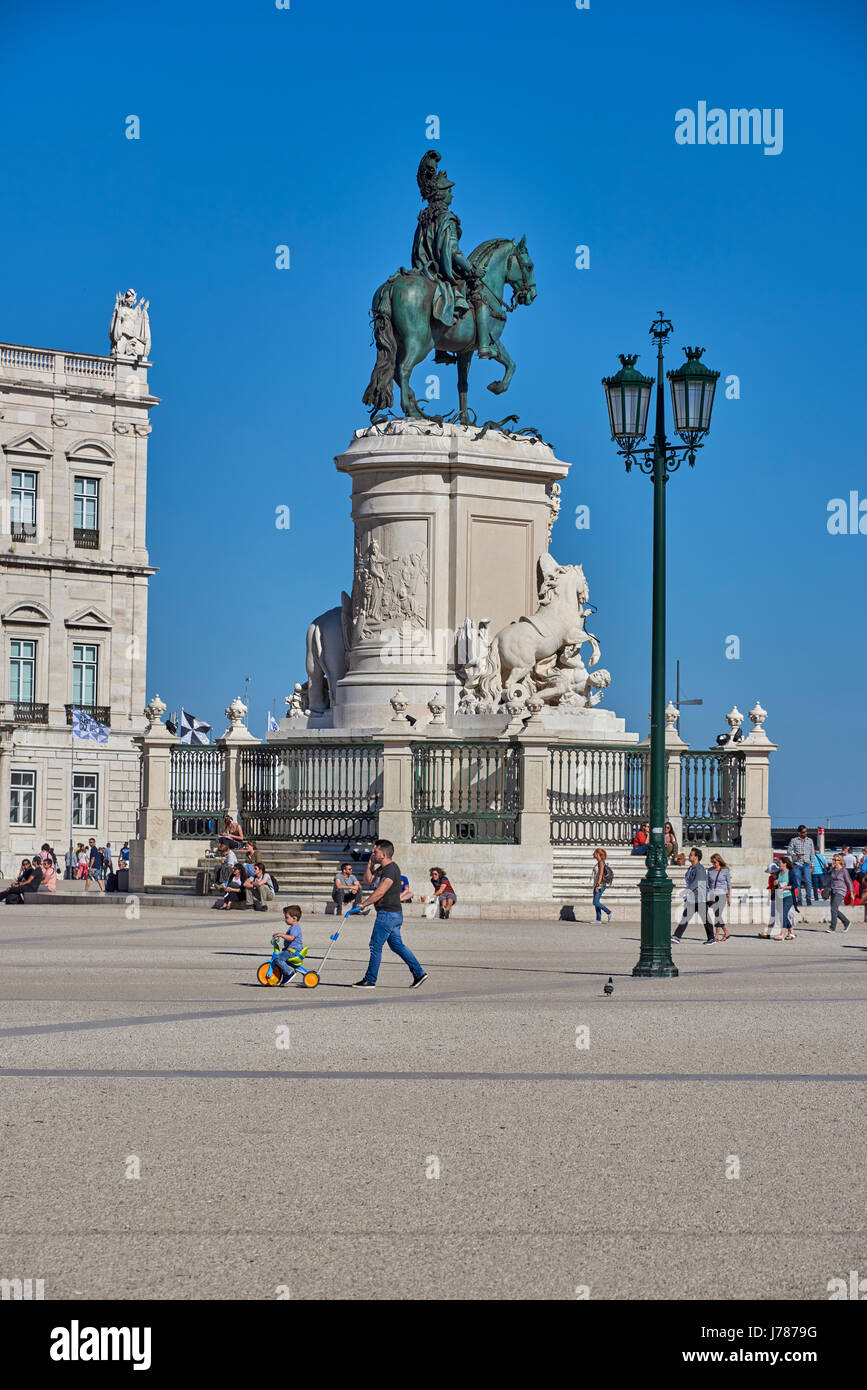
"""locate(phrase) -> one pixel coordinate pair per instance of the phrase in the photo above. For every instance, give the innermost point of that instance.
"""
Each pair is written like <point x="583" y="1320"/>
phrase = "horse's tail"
<point x="379" y="394"/>
<point x="491" y="679"/>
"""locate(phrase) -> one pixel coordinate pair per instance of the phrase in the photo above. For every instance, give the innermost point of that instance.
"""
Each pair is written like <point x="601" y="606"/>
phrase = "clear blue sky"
<point x="304" y="127"/>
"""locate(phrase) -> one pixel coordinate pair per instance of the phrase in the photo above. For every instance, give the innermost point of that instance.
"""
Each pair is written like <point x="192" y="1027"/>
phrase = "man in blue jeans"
<point x="802" y="852"/>
<point x="384" y="874"/>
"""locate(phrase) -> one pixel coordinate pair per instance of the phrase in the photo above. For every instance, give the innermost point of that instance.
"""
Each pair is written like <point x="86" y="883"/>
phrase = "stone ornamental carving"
<point x="472" y="648"/>
<point x="399" y="705"/>
<point x="236" y="713"/>
<point x="467" y="703"/>
<point x="437" y="706"/>
<point x="130" y="331"/>
<point x="672" y="715"/>
<point x="295" y="701"/>
<point x="554" y="502"/>
<point x="388" y="590"/>
<point x="758" y="717"/>
<point x="734" y="719"/>
<point x="154" y="711"/>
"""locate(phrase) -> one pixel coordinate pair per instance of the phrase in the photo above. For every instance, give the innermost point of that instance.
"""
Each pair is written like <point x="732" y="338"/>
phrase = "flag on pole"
<point x="193" y="730"/>
<point x="273" y="726"/>
<point x="85" y="727"/>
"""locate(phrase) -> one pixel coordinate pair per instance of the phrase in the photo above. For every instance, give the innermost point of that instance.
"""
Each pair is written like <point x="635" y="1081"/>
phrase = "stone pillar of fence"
<point x="236" y="737"/>
<point x="395" y="815"/>
<point x="533" y="871"/>
<point x="756" y="819"/>
<point x="674" y="747"/>
<point x="152" y="853"/>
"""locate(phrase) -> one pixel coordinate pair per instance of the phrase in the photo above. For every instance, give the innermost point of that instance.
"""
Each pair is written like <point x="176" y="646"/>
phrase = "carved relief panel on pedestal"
<point x="390" y="586"/>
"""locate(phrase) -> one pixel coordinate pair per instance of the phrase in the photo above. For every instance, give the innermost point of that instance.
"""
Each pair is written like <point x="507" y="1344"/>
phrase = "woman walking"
<point x="841" y="884"/>
<point x="600" y="883"/>
<point x="786" y="885"/>
<point x="719" y="895"/>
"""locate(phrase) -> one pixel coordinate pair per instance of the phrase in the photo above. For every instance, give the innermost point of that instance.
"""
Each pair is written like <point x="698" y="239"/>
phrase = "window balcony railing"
<point x="101" y="713"/>
<point x="86" y="537"/>
<point x="23" y="530"/>
<point x="23" y="712"/>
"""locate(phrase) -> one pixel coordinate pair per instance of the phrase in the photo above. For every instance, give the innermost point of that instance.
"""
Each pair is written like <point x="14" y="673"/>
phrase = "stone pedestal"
<point x="153" y="852"/>
<point x="447" y="526"/>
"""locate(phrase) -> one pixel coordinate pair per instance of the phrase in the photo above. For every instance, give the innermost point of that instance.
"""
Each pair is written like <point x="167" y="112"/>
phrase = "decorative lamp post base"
<point x="655" y="960"/>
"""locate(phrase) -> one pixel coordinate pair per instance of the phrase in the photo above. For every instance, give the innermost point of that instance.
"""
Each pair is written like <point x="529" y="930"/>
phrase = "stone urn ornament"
<point x="236" y="713"/>
<point x="758" y="717"/>
<point x="437" y="706"/>
<point x="399" y="705"/>
<point x="154" y="712"/>
<point x="734" y="719"/>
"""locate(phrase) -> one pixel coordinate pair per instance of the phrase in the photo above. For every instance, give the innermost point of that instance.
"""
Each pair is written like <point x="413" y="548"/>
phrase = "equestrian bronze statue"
<point x="445" y="303"/>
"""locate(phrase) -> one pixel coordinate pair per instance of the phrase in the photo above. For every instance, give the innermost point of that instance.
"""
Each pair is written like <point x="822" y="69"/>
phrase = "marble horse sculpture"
<point x="521" y="646"/>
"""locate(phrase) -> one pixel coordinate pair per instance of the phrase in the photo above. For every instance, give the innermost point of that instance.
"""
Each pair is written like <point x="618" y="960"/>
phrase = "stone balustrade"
<point x="19" y="362"/>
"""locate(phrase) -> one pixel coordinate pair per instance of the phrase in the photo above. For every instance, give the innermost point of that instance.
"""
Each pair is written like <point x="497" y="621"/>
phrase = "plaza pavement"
<point x="306" y="1166"/>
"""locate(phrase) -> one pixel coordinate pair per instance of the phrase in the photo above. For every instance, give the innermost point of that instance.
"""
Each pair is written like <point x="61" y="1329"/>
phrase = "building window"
<point x="84" y="674"/>
<point x="22" y="799"/>
<point x="23" y="504"/>
<point x="86" y="512"/>
<point x="22" y="672"/>
<point x="85" y="800"/>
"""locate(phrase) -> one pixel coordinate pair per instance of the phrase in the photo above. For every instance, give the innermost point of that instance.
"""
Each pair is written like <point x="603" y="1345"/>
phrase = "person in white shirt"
<point x="849" y="859"/>
<point x="230" y="860"/>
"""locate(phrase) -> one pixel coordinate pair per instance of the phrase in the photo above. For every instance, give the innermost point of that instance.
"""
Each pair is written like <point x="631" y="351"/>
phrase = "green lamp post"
<point x="628" y="398"/>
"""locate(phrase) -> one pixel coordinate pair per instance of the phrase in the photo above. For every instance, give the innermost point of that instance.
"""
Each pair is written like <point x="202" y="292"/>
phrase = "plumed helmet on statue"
<point x="431" y="180"/>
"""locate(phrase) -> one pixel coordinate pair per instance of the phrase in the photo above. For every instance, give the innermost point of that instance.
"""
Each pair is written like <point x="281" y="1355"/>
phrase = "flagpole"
<point x="71" y="792"/>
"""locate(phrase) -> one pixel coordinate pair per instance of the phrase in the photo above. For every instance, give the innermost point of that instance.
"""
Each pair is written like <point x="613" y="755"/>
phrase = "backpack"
<point x="608" y="875"/>
<point x="275" y="883"/>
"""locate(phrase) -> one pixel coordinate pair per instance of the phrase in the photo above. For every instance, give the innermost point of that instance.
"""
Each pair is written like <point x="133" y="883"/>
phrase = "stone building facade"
<point x="73" y="594"/>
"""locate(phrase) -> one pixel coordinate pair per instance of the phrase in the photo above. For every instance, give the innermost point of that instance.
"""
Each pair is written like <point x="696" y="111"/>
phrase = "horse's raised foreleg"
<point x="499" y="352"/>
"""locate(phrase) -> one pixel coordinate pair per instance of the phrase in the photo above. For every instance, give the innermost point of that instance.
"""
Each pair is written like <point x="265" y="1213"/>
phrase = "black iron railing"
<point x="23" y="530"/>
<point x="311" y="792"/>
<point x="712" y="797"/>
<point x="85" y="537"/>
<point x="598" y="793"/>
<point x="196" y="792"/>
<point x="101" y="713"/>
<point x="466" y="792"/>
<point x="23" y="712"/>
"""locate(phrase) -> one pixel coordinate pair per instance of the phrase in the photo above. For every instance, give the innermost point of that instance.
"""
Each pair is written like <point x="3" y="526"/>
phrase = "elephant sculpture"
<point x="328" y="642"/>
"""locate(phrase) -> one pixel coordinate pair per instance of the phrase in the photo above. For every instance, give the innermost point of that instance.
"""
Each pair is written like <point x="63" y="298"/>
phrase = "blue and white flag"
<point x="273" y="726"/>
<point x="193" y="730"/>
<point x="85" y="727"/>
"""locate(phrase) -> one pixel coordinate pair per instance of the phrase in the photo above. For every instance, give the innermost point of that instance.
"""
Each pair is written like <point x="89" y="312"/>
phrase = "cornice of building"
<point x="12" y="560"/>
